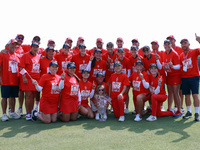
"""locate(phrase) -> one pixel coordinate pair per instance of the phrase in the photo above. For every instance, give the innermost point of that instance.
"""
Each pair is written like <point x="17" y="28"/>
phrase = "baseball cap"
<point x="134" y="40"/>
<point x="80" y="38"/>
<point x="120" y="49"/>
<point x="139" y="61"/>
<point x="134" y="47"/>
<point x="145" y="48"/>
<point x="71" y="65"/>
<point x="97" y="50"/>
<point x="49" y="48"/>
<point x="20" y="35"/>
<point x="99" y="40"/>
<point x="85" y="70"/>
<point x="68" y="39"/>
<point x="12" y="41"/>
<point x="153" y="65"/>
<point x="120" y="39"/>
<point x="184" y="40"/>
<point x="99" y="74"/>
<point x="52" y="63"/>
<point x="33" y="44"/>
<point x="66" y="45"/>
<point x="81" y="45"/>
<point x="110" y="44"/>
<point x="51" y="41"/>
<point x="170" y="37"/>
<point x="167" y="41"/>
<point x="117" y="63"/>
<point x="36" y="38"/>
<point x="155" y="42"/>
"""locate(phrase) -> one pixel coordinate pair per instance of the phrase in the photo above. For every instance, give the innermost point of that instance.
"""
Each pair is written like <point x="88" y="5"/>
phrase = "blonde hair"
<point x="97" y="89"/>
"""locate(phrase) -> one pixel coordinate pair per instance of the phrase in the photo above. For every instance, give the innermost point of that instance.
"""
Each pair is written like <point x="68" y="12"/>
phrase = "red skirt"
<point x="84" y="103"/>
<point x="68" y="105"/>
<point x="48" y="107"/>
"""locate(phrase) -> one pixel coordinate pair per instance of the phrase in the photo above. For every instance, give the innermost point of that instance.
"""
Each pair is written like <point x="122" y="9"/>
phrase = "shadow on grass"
<point x="164" y="125"/>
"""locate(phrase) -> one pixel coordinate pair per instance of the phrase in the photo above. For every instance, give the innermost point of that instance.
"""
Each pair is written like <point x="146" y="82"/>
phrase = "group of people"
<point x="77" y="81"/>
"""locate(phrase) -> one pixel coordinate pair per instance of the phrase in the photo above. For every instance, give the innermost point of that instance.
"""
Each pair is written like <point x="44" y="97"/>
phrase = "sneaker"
<point x="36" y="107"/>
<point x="4" y="117"/>
<point x="151" y="118"/>
<point x="196" y="117"/>
<point x="28" y="116"/>
<point x="33" y="116"/>
<point x="9" y="111"/>
<point x="14" y="115"/>
<point x="97" y="116"/>
<point x="134" y="112"/>
<point x="172" y="110"/>
<point x="121" y="118"/>
<point x="111" y="110"/>
<point x="188" y="115"/>
<point x="182" y="110"/>
<point x="162" y="108"/>
<point x="19" y="112"/>
<point x="105" y="116"/>
<point x="175" y="109"/>
<point x="138" y="118"/>
<point x="79" y="116"/>
<point x="149" y="109"/>
<point x="178" y="114"/>
<point x="126" y="111"/>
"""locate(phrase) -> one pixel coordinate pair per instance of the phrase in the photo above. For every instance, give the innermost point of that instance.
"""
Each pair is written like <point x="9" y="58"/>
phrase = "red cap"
<point x="170" y="37"/>
<point x="51" y="41"/>
<point x="154" y="42"/>
<point x="99" y="40"/>
<point x="12" y="41"/>
<point x="69" y="39"/>
<point x="135" y="40"/>
<point x="20" y="35"/>
<point x="80" y="38"/>
<point x="119" y="39"/>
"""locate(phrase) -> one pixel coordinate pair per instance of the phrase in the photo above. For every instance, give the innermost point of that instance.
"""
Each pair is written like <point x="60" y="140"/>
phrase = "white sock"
<point x="196" y="109"/>
<point x="189" y="108"/>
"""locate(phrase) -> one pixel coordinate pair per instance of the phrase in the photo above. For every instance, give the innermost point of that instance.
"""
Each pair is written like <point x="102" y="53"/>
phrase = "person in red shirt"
<point x="118" y="83"/>
<point x="63" y="59"/>
<point x="87" y="90"/>
<point x="99" y="45"/>
<point x="96" y="65"/>
<point x="70" y="95"/>
<point x="48" y="84"/>
<point x="68" y="41"/>
<point x="158" y="94"/>
<point x="120" y="44"/>
<point x="50" y="43"/>
<point x="190" y="76"/>
<point x="110" y="58"/>
<point x="31" y="63"/>
<point x="155" y="48"/>
<point x="45" y="61"/>
<point x="81" y="60"/>
<point x="126" y="69"/>
<point x="177" y="49"/>
<point x="76" y="48"/>
<point x="139" y="80"/>
<point x="171" y="62"/>
<point x="19" y="50"/>
<point x="135" y="42"/>
<point x="9" y="80"/>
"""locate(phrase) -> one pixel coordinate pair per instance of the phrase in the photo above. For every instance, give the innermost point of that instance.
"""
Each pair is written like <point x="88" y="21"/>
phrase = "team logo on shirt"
<point x="167" y="67"/>
<point x="64" y="64"/>
<point x="48" y="70"/>
<point x="187" y="63"/>
<point x="74" y="89"/>
<point x="81" y="67"/>
<point x="111" y="67"/>
<point x="124" y="70"/>
<point x="96" y="71"/>
<point x="85" y="94"/>
<point x="117" y="79"/>
<point x="55" y="89"/>
<point x="36" y="68"/>
<point x="136" y="85"/>
<point x="134" y="69"/>
<point x="116" y="86"/>
<point x="13" y="65"/>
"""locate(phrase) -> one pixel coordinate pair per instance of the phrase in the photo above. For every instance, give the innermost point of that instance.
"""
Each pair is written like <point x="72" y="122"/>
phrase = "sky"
<point x="147" y="20"/>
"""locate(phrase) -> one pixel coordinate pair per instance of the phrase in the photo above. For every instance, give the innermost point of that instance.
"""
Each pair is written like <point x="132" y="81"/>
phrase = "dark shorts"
<point x="8" y="91"/>
<point x="190" y="84"/>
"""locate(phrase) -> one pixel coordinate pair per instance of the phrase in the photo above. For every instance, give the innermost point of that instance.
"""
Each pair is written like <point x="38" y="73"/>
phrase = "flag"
<point x="23" y="71"/>
<point x="108" y="99"/>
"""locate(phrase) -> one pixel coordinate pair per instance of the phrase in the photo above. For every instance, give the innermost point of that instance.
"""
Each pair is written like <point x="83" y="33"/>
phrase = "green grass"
<point x="85" y="134"/>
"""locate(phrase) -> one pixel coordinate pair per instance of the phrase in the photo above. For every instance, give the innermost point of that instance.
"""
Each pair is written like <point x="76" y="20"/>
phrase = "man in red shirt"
<point x="178" y="49"/>
<point x="120" y="44"/>
<point x="190" y="76"/>
<point x="99" y="45"/>
<point x="75" y="49"/>
<point x="137" y="44"/>
<point x="9" y="79"/>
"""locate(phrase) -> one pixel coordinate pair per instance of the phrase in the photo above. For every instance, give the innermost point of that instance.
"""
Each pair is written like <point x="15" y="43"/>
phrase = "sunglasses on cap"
<point x="38" y="40"/>
<point x="20" y="38"/>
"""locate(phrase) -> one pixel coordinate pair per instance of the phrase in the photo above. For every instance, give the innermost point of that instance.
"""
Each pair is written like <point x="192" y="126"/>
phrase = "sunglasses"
<point x="101" y="89"/>
<point x="20" y="38"/>
<point x="134" y="42"/>
<point x="145" y="50"/>
<point x="37" y="40"/>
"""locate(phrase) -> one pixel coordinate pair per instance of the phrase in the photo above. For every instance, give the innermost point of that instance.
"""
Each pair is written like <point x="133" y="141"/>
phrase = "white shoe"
<point x="134" y="112"/>
<point x="105" y="116"/>
<point x="4" y="117"/>
<point x="183" y="110"/>
<point x="138" y="118"/>
<point x="162" y="108"/>
<point x="175" y="109"/>
<point x="172" y="110"/>
<point x="19" y="112"/>
<point x="79" y="116"/>
<point x="126" y="111"/>
<point x="151" y="118"/>
<point x="97" y="116"/>
<point x="28" y="117"/>
<point x="14" y="115"/>
<point x="121" y="118"/>
<point x="111" y="110"/>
